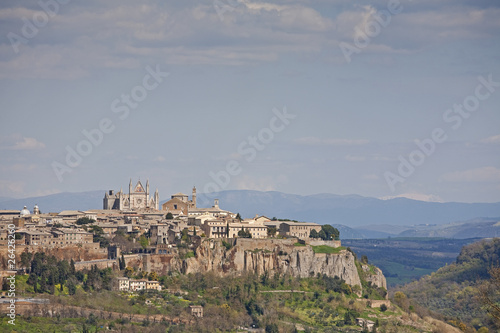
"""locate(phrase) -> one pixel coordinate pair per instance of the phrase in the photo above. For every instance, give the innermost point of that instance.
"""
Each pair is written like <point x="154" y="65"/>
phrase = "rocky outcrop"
<point x="375" y="276"/>
<point x="272" y="256"/>
<point x="261" y="255"/>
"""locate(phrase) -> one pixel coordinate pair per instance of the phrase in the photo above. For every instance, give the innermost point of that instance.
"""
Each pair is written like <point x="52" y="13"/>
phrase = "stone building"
<point x="298" y="229"/>
<point x="137" y="284"/>
<point x="159" y="233"/>
<point x="121" y="284"/>
<point x="215" y="211"/>
<point x="196" y="310"/>
<point x="257" y="230"/>
<point x="137" y="198"/>
<point x="215" y="228"/>
<point x="60" y="237"/>
<point x="179" y="204"/>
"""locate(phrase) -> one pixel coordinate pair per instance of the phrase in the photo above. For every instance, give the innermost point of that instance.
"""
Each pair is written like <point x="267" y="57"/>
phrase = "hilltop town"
<point x="178" y="262"/>
<point x="138" y="214"/>
<point x="134" y="227"/>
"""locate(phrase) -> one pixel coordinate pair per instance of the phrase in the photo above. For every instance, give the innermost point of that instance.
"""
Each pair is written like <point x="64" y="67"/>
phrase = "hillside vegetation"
<point x="460" y="292"/>
<point x="403" y="260"/>
<point x="272" y="302"/>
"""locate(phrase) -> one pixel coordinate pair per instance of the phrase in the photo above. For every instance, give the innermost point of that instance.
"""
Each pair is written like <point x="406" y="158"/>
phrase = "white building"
<point x="137" y="198"/>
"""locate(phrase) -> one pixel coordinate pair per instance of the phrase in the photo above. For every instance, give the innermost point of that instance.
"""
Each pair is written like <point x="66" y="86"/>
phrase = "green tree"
<point x="322" y="235"/>
<point x="71" y="284"/>
<point x="85" y="220"/>
<point x="244" y="233"/>
<point x="153" y="276"/>
<point x="121" y="263"/>
<point x="350" y="317"/>
<point x="169" y="216"/>
<point x="26" y="258"/>
<point x="272" y="328"/>
<point x="271" y="231"/>
<point x="143" y="241"/>
<point x="129" y="271"/>
<point x="490" y="293"/>
<point x="313" y="234"/>
<point x="401" y="300"/>
<point x="72" y="268"/>
<point x="331" y="232"/>
<point x="99" y="237"/>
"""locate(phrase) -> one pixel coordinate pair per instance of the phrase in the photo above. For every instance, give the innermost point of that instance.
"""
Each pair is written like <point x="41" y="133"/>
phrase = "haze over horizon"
<point x="299" y="96"/>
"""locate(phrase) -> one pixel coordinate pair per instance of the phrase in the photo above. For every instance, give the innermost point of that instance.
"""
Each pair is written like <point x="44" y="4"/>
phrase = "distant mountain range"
<point x="475" y="228"/>
<point x="350" y="210"/>
<point x="354" y="215"/>
<point x="57" y="202"/>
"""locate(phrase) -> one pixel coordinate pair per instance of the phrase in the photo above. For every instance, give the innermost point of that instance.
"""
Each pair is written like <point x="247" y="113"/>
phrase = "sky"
<point x="375" y="98"/>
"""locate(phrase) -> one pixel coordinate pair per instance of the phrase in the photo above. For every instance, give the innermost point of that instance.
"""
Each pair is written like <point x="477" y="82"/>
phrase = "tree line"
<point x="327" y="232"/>
<point x="46" y="273"/>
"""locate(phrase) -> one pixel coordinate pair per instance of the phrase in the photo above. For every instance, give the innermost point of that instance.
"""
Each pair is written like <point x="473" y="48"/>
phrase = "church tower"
<point x="194" y="197"/>
<point x="157" y="200"/>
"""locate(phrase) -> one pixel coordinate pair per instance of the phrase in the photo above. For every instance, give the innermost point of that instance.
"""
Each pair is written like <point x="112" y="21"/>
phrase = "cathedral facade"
<point x="136" y="199"/>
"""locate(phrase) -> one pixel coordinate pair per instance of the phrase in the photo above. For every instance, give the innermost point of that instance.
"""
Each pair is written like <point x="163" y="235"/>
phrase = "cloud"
<point x="159" y="159"/>
<point x="24" y="143"/>
<point x="484" y="174"/>
<point x="353" y="158"/>
<point x="11" y="188"/>
<point x="315" y="141"/>
<point x="86" y="37"/>
<point x="495" y="139"/>
<point x="89" y="36"/>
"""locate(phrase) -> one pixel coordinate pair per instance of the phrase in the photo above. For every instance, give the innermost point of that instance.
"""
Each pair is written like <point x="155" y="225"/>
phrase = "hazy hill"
<point x="479" y="227"/>
<point x="349" y="210"/>
<point x="452" y="291"/>
<point x="58" y="202"/>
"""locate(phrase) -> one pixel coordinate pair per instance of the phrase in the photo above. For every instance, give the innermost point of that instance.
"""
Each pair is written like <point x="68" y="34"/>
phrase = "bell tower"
<point x="194" y="197"/>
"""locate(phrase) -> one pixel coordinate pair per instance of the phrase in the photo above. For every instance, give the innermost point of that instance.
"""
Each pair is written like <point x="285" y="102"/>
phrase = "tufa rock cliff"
<point x="262" y="255"/>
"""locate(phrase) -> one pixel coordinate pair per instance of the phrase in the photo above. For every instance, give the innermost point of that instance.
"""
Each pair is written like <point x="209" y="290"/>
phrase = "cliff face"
<point x="272" y="256"/>
<point x="259" y="256"/>
<point x="377" y="279"/>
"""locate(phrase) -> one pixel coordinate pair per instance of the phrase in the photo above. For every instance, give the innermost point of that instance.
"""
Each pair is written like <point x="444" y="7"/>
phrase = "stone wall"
<point x="81" y="252"/>
<point x="101" y="264"/>
<point x="132" y="260"/>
